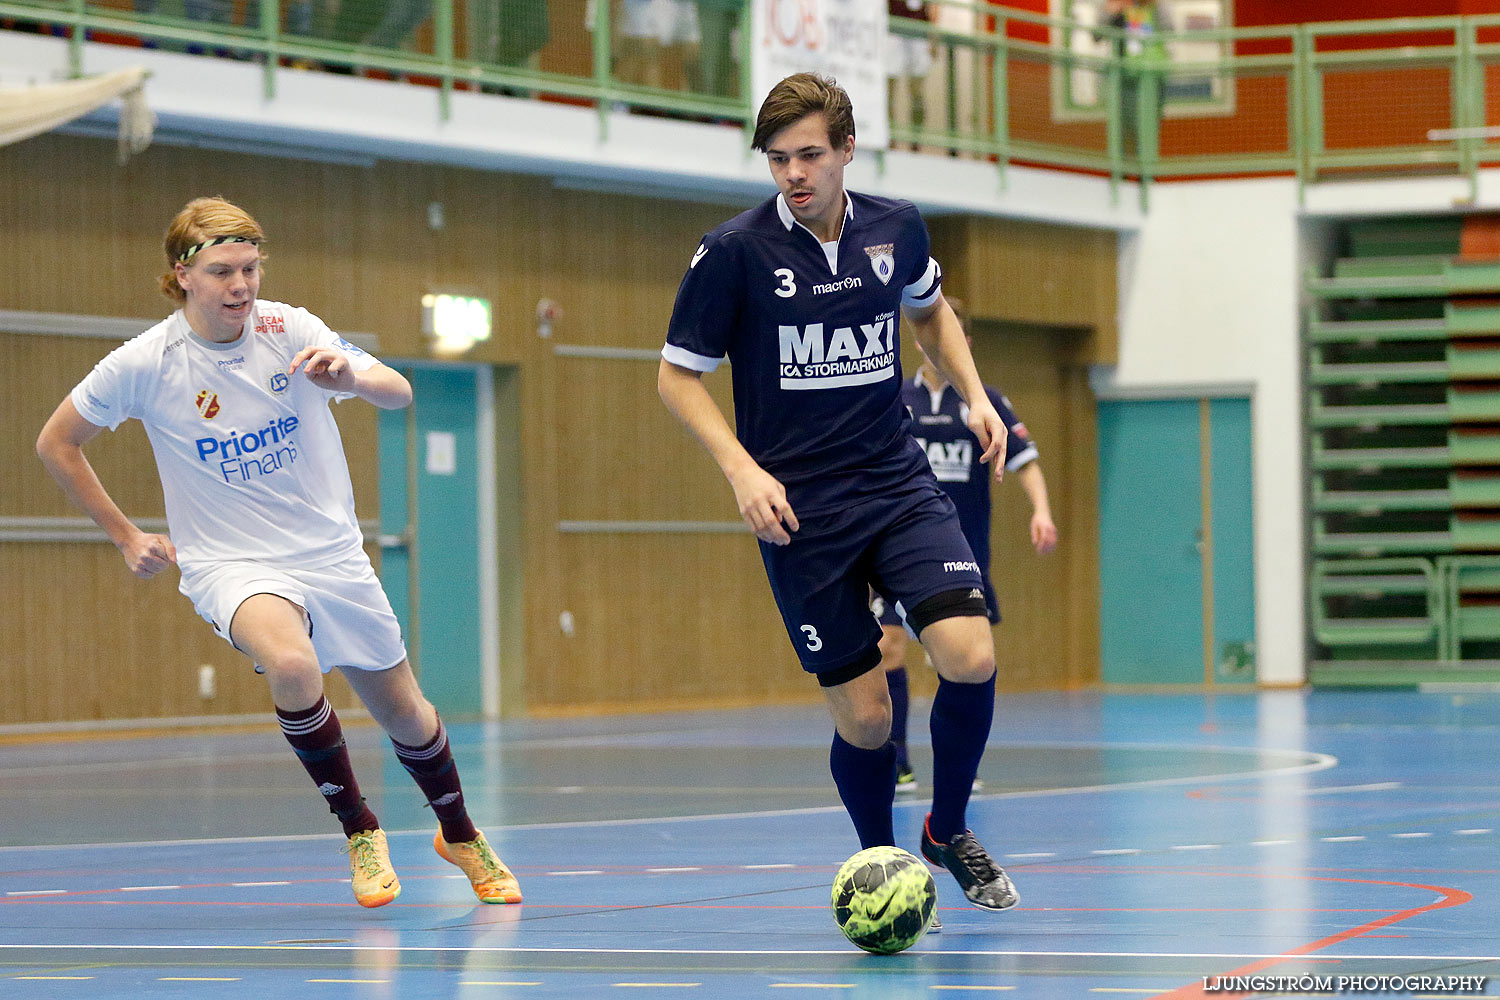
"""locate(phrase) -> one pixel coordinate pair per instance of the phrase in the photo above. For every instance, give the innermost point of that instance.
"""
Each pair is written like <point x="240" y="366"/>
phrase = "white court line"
<point x="842" y="952"/>
<point x="1378" y="786"/>
<point x="1316" y="762"/>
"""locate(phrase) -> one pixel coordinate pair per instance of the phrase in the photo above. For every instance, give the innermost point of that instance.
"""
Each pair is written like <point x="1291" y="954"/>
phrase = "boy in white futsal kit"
<point x="234" y="393"/>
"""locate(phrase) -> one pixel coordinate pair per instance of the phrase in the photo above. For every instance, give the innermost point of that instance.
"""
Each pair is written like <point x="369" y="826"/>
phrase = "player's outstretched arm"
<point x="60" y="447"/>
<point x="760" y="496"/>
<point x="941" y="337"/>
<point x="329" y="368"/>
<point x="1043" y="530"/>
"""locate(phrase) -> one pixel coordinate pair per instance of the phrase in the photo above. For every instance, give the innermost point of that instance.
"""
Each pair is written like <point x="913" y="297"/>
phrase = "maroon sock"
<point x="431" y="766"/>
<point x="318" y="739"/>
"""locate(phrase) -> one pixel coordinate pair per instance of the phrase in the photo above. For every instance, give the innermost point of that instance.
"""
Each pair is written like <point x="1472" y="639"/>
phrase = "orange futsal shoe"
<point x="492" y="881"/>
<point x="375" y="882"/>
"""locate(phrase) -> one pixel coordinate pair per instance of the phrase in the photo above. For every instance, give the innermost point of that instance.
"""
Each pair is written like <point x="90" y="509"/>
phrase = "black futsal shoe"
<point x="984" y="883"/>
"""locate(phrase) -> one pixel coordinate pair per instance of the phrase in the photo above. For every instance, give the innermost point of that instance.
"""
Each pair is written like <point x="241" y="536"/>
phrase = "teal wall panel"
<point x="1150" y="553"/>
<point x="445" y="640"/>
<point x="1151" y="599"/>
<point x="395" y="563"/>
<point x="1234" y="541"/>
<point x="448" y="540"/>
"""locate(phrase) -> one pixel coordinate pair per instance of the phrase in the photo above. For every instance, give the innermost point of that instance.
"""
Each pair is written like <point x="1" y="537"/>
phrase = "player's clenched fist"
<point x="147" y="555"/>
<point x="763" y="505"/>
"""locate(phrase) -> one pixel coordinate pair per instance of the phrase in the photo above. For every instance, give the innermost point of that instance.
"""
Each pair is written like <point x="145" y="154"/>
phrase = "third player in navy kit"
<point x="940" y="424"/>
<point x="806" y="295"/>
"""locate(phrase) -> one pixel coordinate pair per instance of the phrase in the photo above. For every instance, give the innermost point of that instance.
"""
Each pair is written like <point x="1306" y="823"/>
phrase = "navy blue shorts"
<point x="908" y="547"/>
<point x="886" y="614"/>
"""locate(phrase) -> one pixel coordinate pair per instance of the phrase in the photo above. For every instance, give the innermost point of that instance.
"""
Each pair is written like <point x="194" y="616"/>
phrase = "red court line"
<point x="1451" y="897"/>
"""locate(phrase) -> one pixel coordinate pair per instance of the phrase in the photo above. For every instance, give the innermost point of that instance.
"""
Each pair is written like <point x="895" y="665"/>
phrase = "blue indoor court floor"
<point x="1162" y="844"/>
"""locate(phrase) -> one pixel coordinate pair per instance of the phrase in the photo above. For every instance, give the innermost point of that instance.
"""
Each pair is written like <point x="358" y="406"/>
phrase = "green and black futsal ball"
<point x="883" y="900"/>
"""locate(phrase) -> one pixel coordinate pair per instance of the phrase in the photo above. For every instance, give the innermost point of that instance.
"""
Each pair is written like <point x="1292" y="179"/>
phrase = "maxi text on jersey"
<point x="813" y="357"/>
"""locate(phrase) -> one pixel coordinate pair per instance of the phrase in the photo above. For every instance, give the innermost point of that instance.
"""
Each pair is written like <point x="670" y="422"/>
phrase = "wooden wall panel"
<point x="1042" y="303"/>
<point x="661" y="619"/>
<point x="92" y="641"/>
<point x="1047" y="638"/>
<point x="1013" y="271"/>
<point x="619" y="433"/>
<point x="675" y="619"/>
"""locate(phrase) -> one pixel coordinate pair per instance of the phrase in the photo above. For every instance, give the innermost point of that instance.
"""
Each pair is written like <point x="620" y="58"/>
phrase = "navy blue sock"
<point x="961" y="717"/>
<point x="866" y="780"/>
<point x="900" y="701"/>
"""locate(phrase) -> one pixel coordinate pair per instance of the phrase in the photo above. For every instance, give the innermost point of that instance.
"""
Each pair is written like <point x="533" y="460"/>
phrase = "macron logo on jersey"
<point x="813" y="359"/>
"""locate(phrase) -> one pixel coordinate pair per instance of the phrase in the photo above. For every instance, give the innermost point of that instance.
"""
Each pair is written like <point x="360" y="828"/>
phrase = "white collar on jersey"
<point x="918" y="380"/>
<point x="936" y="395"/>
<point x="789" y="220"/>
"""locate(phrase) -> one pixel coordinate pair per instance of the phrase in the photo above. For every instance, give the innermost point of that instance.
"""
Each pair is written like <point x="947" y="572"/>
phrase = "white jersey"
<point x="251" y="463"/>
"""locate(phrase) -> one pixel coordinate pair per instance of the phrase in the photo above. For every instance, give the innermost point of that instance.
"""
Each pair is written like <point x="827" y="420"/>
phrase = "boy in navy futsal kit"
<point x="940" y="424"/>
<point x="805" y="295"/>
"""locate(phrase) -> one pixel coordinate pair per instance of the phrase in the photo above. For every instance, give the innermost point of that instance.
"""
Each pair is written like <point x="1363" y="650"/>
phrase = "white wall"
<point x="1209" y="306"/>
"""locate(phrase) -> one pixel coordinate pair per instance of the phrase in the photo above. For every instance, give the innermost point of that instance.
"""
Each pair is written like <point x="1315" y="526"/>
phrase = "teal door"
<point x="1233" y="539"/>
<point x="1176" y="542"/>
<point x="431" y="470"/>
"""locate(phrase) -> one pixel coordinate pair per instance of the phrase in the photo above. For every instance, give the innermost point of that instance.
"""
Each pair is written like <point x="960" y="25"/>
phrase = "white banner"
<point x="844" y="39"/>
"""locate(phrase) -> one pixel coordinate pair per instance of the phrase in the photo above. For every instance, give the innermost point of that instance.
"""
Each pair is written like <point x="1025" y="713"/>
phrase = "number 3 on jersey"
<point x="814" y="641"/>
<point x="788" y="282"/>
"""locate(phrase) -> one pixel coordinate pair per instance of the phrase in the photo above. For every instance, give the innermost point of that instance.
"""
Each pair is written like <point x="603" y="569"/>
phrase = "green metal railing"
<point x="1313" y="101"/>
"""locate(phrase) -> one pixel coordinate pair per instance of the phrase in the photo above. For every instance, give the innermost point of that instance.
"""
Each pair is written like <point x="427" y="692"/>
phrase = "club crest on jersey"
<point x="883" y="261"/>
<point x="208" y="404"/>
<point x="279" y="381"/>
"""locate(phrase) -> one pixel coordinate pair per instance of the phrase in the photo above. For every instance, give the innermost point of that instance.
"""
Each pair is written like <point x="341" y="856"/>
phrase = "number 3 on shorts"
<point x="814" y="641"/>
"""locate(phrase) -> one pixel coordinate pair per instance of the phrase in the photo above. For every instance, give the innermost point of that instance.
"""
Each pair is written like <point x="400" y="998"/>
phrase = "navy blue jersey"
<point x="812" y="335"/>
<point x="940" y="425"/>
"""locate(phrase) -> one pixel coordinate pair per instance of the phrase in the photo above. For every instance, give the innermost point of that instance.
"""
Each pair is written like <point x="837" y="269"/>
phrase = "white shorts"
<point x="906" y="56"/>
<point x="348" y="616"/>
<point x="667" y="22"/>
